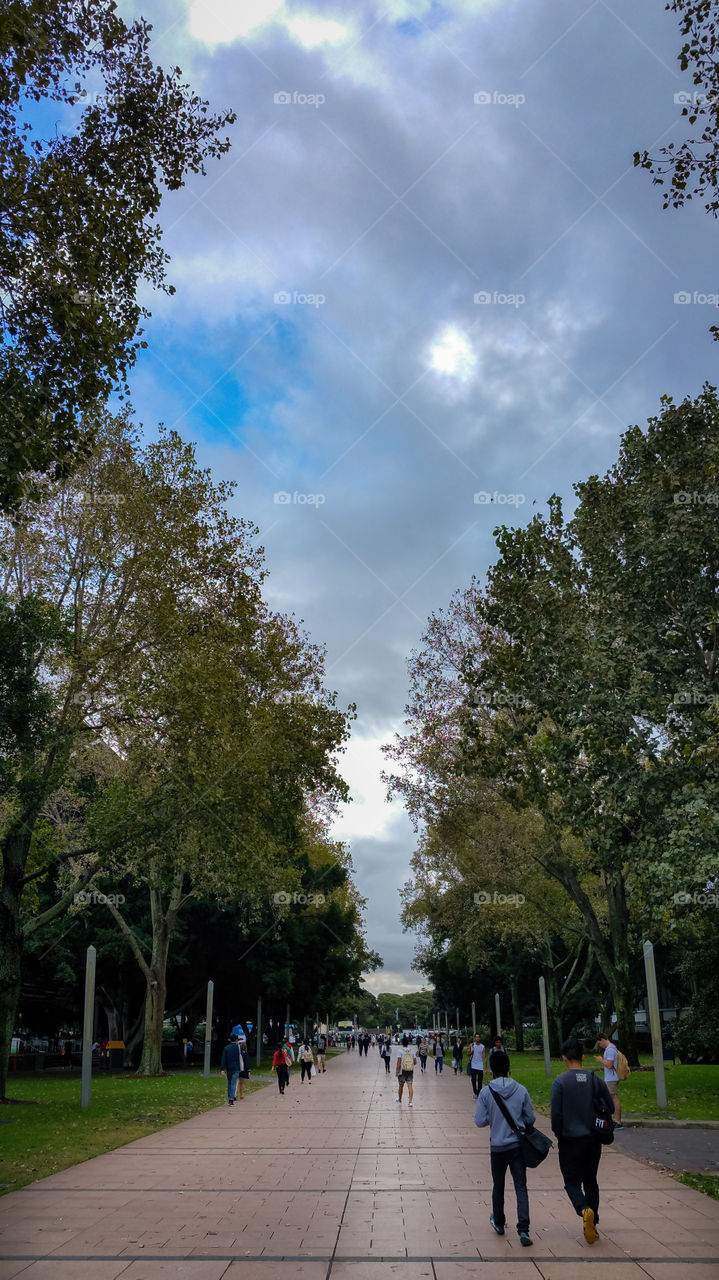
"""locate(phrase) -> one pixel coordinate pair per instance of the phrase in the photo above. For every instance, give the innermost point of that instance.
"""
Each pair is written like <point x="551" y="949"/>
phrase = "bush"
<point x="696" y="1038"/>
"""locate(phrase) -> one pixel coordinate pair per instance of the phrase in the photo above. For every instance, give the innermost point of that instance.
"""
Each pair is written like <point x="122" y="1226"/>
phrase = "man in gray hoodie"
<point x="505" y="1151"/>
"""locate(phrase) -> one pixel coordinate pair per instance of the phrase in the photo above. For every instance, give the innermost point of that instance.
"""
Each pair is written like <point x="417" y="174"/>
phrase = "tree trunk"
<point x="163" y="927"/>
<point x="151" y="1060"/>
<point x="517" y="1015"/>
<point x="15" y="850"/>
<point x="621" y="984"/>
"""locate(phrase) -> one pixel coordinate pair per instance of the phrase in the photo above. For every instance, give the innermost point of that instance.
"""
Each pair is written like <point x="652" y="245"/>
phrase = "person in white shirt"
<point x="476" y="1063"/>
<point x="405" y="1076"/>
<point x="608" y="1059"/>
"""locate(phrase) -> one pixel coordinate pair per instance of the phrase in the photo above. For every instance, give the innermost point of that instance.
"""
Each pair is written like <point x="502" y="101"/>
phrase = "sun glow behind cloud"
<point x="452" y="354"/>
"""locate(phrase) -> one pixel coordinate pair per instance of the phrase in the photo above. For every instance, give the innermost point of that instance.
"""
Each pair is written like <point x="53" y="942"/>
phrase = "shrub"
<point x="696" y="1038"/>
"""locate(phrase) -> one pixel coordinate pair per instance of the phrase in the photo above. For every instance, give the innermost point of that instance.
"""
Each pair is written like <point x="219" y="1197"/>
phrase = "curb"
<point x="651" y="1123"/>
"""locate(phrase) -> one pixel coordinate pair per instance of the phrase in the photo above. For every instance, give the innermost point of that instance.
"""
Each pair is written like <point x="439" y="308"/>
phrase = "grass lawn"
<point x="706" y="1182"/>
<point x="42" y="1139"/>
<point x="692" y="1091"/>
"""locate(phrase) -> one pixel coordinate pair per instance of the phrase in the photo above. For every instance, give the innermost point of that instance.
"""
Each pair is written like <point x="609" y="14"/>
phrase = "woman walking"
<point x="307" y="1061"/>
<point x="281" y="1066"/>
<point x="422" y="1051"/>
<point x="244" y="1073"/>
<point x="439" y="1054"/>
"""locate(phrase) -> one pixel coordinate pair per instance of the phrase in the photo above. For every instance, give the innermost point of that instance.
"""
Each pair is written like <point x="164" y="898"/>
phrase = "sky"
<point x="425" y="290"/>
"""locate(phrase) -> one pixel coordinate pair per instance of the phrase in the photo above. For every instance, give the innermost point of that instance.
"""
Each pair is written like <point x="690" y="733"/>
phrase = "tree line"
<point x="560" y="757"/>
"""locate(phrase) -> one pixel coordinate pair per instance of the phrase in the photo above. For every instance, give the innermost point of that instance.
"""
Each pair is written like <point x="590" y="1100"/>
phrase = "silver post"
<point x="208" y="1029"/>
<point x="497" y="1012"/>
<point x="474" y="1019"/>
<point x="545" y="1029"/>
<point x="259" y="1030"/>
<point x="660" y="1083"/>
<point x="87" y="1028"/>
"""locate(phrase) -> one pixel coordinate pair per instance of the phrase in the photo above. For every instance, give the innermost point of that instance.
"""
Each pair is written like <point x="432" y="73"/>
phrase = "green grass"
<point x="706" y="1182"/>
<point x="692" y="1091"/>
<point x="41" y="1139"/>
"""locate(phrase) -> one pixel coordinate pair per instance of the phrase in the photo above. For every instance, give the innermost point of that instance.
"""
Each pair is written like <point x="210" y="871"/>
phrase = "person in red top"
<point x="281" y="1066"/>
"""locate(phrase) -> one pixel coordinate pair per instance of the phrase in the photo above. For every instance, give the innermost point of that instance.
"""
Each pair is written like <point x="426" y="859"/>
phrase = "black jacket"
<point x="573" y="1103"/>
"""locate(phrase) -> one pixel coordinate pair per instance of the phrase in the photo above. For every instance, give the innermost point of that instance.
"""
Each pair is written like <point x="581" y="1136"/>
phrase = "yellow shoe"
<point x="591" y="1235"/>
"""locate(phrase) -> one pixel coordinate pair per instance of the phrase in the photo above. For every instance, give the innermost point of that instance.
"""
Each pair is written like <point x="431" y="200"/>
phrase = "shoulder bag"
<point x="534" y="1144"/>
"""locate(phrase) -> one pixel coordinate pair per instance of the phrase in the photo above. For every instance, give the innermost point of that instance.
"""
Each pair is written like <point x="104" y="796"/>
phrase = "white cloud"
<point x="369" y="814"/>
<point x="310" y="31"/>
<point x="222" y="21"/>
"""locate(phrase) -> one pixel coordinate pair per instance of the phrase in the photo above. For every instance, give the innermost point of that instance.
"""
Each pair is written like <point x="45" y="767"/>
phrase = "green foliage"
<point x="79" y="230"/>
<point x="696" y="1038"/>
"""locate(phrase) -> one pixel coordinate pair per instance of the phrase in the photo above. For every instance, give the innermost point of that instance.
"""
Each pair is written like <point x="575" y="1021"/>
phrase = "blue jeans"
<point x="500" y="1160"/>
<point x="232" y="1078"/>
<point x="438" y="1062"/>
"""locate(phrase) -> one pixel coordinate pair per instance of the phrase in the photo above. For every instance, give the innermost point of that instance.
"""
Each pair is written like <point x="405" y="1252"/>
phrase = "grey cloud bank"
<point x="397" y="199"/>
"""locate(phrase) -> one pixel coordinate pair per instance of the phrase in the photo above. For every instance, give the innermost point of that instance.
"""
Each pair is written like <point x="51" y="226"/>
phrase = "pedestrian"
<point x="290" y="1057"/>
<point x="577" y="1097"/>
<point x="476" y="1064"/>
<point x="406" y="1063"/>
<point x="189" y="1048"/>
<point x="457" y="1052"/>
<point x="386" y="1053"/>
<point x="307" y="1061"/>
<point x="609" y="1059"/>
<point x="230" y="1065"/>
<point x="438" y="1054"/>
<point x="505" y="1151"/>
<point x="244" y="1069"/>
<point x="422" y="1054"/>
<point x="280" y="1064"/>
<point x="497" y="1045"/>
<point x="321" y="1051"/>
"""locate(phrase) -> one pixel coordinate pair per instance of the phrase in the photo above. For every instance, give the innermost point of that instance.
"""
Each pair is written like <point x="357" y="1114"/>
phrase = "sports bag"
<point x="603" y="1118"/>
<point x="407" y="1060"/>
<point x="535" y="1145"/>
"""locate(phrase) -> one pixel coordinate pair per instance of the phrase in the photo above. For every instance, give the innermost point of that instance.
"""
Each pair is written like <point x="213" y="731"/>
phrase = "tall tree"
<point x="79" y="230"/>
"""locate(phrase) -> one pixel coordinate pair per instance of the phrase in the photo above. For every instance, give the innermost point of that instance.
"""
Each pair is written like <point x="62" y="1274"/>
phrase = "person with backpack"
<point x="505" y="1151"/>
<point x="616" y="1068"/>
<point x="230" y="1067"/>
<point x="406" y="1062"/>
<point x="289" y="1058"/>
<point x="422" y="1054"/>
<point x="578" y="1099"/>
<point x="307" y="1061"/>
<point x="497" y="1045"/>
<point x="386" y="1054"/>
<point x="281" y="1065"/>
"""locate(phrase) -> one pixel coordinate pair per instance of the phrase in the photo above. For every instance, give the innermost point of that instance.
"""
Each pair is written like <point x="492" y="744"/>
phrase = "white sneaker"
<point x="410" y="1104"/>
<point x="398" y="1099"/>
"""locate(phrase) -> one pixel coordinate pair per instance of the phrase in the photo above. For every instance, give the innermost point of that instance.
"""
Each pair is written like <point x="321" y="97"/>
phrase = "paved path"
<point x="336" y="1180"/>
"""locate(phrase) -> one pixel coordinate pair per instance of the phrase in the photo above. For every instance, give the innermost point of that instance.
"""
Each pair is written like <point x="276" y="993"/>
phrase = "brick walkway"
<point x="334" y="1179"/>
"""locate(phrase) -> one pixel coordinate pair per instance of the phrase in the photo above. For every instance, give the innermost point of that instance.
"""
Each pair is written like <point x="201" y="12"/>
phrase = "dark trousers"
<point x="283" y="1076"/>
<point x="477" y="1078"/>
<point x="305" y="1069"/>
<point x="509" y="1158"/>
<point x="579" y="1161"/>
<point x="386" y="1064"/>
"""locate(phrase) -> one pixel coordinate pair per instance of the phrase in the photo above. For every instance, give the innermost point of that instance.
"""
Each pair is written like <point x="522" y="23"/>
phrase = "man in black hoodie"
<point x="576" y="1096"/>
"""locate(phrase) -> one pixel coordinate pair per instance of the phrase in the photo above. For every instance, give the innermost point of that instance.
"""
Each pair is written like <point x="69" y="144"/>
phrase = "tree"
<point x="697" y="159"/>
<point x="156" y="586"/>
<point x="78" y="231"/>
